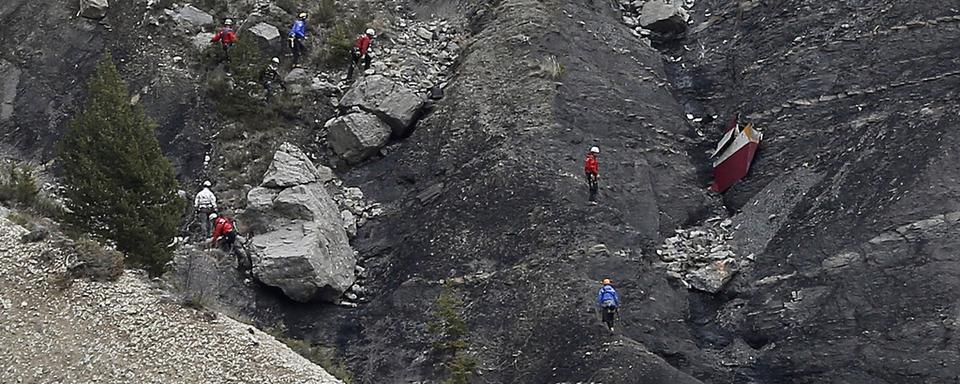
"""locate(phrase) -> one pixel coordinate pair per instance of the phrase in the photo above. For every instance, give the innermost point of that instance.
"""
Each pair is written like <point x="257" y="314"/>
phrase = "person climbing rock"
<point x="270" y="78"/>
<point x="591" y="168"/>
<point x="608" y="301"/>
<point x="226" y="36"/>
<point x="224" y="233"/>
<point x="204" y="204"/>
<point x="361" y="52"/>
<point x="298" y="33"/>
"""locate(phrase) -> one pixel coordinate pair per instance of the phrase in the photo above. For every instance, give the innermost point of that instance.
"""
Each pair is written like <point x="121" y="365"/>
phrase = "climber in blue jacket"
<point x="298" y="32"/>
<point x="608" y="300"/>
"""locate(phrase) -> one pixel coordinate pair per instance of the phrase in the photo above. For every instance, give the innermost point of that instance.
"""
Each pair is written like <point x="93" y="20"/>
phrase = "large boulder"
<point x="94" y="9"/>
<point x="357" y="136"/>
<point x="395" y="104"/>
<point x="299" y="243"/>
<point x="191" y="16"/>
<point x="266" y="34"/>
<point x="668" y="17"/>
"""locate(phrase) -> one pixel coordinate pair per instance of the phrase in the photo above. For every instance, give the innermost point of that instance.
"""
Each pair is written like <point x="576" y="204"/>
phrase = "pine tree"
<point x="119" y="186"/>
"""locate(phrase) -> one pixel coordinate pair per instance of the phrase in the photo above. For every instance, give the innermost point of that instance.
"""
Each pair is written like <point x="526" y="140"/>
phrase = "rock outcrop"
<point x="395" y="104"/>
<point x="357" y="136"/>
<point x="299" y="241"/>
<point x="702" y="258"/>
<point x="664" y="16"/>
<point x="191" y="17"/>
<point x="94" y="9"/>
<point x="9" y="79"/>
<point x="267" y="35"/>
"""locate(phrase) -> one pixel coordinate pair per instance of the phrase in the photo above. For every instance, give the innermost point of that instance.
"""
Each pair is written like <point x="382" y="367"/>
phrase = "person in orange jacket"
<point x="224" y="232"/>
<point x="591" y="168"/>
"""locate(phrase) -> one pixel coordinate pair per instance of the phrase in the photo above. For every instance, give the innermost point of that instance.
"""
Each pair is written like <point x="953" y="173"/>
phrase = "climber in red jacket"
<point x="360" y="53"/>
<point x="591" y="168"/>
<point x="223" y="228"/>
<point x="226" y="36"/>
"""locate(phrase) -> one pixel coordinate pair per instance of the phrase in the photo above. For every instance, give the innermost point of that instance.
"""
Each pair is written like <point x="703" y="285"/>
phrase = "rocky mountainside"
<point x="833" y="261"/>
<point x="848" y="206"/>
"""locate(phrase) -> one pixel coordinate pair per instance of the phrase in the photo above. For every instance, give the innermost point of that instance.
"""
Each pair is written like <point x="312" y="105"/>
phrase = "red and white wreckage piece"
<point x="734" y="154"/>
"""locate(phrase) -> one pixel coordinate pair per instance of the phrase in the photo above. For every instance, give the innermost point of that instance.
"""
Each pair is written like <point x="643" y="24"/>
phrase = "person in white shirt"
<point x="204" y="204"/>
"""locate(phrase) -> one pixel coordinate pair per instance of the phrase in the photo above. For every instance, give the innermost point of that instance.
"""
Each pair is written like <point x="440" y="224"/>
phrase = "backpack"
<point x="607" y="299"/>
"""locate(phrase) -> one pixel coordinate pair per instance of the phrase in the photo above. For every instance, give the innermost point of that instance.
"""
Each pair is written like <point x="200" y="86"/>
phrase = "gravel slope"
<point x="128" y="331"/>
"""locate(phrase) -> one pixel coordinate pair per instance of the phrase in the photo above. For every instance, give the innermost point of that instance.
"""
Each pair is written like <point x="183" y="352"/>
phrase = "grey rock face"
<point x="297" y="75"/>
<point x="290" y="167"/>
<point x="193" y="16"/>
<point x="664" y="17"/>
<point x="395" y="104"/>
<point x="202" y="40"/>
<point x="267" y="34"/>
<point x="297" y="80"/>
<point x="712" y="277"/>
<point x="357" y="136"/>
<point x="9" y="79"/>
<point x="94" y="9"/>
<point x="299" y="242"/>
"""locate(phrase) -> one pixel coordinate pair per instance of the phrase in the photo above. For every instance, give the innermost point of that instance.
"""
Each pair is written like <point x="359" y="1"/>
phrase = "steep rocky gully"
<point x="845" y="229"/>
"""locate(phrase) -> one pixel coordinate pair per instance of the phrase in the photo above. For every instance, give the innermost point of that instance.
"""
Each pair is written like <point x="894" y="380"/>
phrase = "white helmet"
<point x="228" y="22"/>
<point x="276" y="60"/>
<point x="212" y="216"/>
<point x="594" y="150"/>
<point x="371" y="32"/>
<point x="207" y="183"/>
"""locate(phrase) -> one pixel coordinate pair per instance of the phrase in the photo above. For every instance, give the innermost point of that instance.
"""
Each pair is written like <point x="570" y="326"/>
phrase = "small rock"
<point x="423" y="33"/>
<point x="349" y="223"/>
<point x="598" y="249"/>
<point x="268" y="35"/>
<point x="94" y="9"/>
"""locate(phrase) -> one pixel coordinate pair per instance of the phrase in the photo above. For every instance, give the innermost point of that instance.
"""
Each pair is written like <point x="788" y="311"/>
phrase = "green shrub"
<point x="325" y="357"/>
<point x="119" y="186"/>
<point x="340" y="39"/>
<point x="450" y="329"/>
<point x="290" y="6"/>
<point x="20" y="218"/>
<point x="326" y="12"/>
<point x="94" y="261"/>
<point x="460" y="368"/>
<point x="18" y="187"/>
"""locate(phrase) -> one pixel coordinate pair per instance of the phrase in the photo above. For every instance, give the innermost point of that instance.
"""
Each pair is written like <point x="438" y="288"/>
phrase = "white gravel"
<point x="127" y="331"/>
